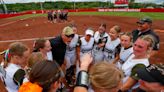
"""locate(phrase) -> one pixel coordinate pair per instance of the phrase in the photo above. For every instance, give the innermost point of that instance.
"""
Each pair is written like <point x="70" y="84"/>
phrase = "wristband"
<point x="82" y="79"/>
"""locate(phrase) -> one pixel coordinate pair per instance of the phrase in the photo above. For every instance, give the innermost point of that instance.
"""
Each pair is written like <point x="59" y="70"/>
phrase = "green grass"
<point x="159" y="16"/>
<point x="129" y="14"/>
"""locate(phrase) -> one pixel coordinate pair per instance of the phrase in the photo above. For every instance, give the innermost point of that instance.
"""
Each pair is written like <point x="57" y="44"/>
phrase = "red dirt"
<point x="40" y="27"/>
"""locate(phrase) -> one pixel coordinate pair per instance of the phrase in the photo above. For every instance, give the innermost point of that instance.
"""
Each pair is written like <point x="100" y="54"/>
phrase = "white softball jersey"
<point x="86" y="47"/>
<point x="124" y="55"/>
<point x="129" y="64"/>
<point x="98" y="51"/>
<point x="10" y="71"/>
<point x="49" y="56"/>
<point x="97" y="36"/>
<point x="110" y="50"/>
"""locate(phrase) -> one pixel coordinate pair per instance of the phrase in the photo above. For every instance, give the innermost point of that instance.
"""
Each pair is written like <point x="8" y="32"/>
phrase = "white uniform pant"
<point x="108" y="57"/>
<point x="98" y="56"/>
<point x="70" y="59"/>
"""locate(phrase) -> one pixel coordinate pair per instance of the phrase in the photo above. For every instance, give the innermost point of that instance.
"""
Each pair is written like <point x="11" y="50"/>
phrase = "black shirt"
<point x="58" y="49"/>
<point x="137" y="33"/>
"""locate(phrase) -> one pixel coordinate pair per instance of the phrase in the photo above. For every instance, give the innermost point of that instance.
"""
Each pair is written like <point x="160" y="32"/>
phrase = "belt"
<point x="71" y="49"/>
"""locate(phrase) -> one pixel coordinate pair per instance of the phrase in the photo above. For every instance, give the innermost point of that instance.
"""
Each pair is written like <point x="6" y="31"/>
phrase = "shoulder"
<point x="118" y="40"/>
<point x="76" y="36"/>
<point x="55" y="40"/>
<point x="135" y="31"/>
<point x="19" y="76"/>
<point x="96" y="33"/>
<point x="106" y="34"/>
<point x="154" y="34"/>
<point x="11" y="68"/>
<point x="134" y="70"/>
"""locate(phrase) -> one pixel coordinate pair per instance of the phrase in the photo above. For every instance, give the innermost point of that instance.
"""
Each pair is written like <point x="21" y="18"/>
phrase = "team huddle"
<point x="108" y="58"/>
<point x="57" y="16"/>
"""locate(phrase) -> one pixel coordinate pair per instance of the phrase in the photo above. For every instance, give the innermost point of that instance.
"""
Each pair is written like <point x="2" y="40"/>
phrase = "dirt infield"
<point x="40" y="27"/>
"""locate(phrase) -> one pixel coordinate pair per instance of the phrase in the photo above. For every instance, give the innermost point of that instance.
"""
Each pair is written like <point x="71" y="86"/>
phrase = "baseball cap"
<point x="145" y="19"/>
<point x="152" y="73"/>
<point x="89" y="32"/>
<point x="68" y="31"/>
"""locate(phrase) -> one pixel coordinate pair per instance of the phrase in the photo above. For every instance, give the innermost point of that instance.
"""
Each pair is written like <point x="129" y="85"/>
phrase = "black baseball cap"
<point x="145" y="20"/>
<point x="152" y="73"/>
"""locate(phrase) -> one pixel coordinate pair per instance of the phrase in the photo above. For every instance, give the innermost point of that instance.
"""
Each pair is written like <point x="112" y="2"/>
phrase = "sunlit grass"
<point x="159" y="16"/>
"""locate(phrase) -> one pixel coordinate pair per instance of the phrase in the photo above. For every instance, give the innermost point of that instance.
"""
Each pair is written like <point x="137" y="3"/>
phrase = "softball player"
<point x="111" y="47"/>
<point x="126" y="49"/>
<point x="85" y="46"/>
<point x="100" y="38"/>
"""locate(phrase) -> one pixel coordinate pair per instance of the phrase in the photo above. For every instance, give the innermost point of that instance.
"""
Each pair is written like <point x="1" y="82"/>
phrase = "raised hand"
<point x="85" y="60"/>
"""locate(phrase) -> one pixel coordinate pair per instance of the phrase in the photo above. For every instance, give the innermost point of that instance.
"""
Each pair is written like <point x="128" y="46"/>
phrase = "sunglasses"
<point x="70" y="36"/>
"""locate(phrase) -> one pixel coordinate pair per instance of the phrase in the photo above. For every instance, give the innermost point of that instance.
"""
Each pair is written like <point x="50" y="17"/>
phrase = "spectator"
<point x="59" y="44"/>
<point x="44" y="77"/>
<point x="15" y="73"/>
<point x="141" y="49"/>
<point x="103" y="76"/>
<point x="145" y="28"/>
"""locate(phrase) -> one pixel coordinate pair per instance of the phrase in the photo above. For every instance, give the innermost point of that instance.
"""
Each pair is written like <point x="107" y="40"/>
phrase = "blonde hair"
<point x="129" y="34"/>
<point x="117" y="28"/>
<point x="149" y="39"/>
<point x="105" y="75"/>
<point x="35" y="57"/>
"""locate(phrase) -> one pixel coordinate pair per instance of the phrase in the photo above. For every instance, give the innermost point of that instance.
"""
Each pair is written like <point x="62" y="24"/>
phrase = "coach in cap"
<point x="144" y="28"/>
<point x="59" y="44"/>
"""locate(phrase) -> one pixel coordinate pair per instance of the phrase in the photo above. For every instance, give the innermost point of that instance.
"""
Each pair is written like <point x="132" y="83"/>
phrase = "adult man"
<point x="144" y="28"/>
<point x="59" y="44"/>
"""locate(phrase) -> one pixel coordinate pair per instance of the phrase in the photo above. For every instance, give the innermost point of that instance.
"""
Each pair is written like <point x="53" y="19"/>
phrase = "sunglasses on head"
<point x="70" y="36"/>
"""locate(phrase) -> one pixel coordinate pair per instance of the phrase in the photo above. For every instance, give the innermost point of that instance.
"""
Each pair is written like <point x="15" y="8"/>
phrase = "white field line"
<point x="14" y="21"/>
<point x="23" y="40"/>
<point x="8" y="23"/>
<point x="158" y="30"/>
